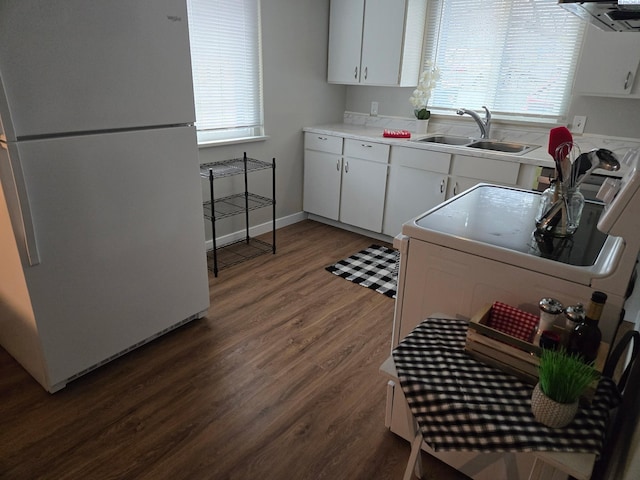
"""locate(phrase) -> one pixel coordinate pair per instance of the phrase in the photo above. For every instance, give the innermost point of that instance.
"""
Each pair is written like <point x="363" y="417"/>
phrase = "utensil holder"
<point x="560" y="210"/>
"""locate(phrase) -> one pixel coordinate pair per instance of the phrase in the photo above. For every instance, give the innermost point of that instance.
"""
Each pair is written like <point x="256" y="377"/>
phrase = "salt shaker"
<point x="550" y="311"/>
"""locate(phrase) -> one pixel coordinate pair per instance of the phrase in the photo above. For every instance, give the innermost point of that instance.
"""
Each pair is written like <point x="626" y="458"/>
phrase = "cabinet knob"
<point x="355" y="74"/>
<point x="455" y="188"/>
<point x="627" y="81"/>
<point x="338" y="165"/>
<point x="442" y="186"/>
<point x="346" y="167"/>
<point x="323" y="138"/>
<point x="365" y="145"/>
<point x="366" y="71"/>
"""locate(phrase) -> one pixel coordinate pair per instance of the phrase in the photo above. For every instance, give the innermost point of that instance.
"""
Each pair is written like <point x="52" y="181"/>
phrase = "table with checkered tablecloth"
<point x="460" y="403"/>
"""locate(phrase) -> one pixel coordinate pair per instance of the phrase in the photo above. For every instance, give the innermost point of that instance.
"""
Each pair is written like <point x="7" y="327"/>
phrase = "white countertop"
<point x="538" y="156"/>
<point x="371" y="129"/>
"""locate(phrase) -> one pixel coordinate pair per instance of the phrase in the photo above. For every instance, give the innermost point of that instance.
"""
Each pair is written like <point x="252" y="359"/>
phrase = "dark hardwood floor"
<point x="279" y="381"/>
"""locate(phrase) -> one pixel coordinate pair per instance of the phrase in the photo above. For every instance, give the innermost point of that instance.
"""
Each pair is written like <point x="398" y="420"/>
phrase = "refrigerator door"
<point x="79" y="65"/>
<point x="18" y="204"/>
<point x="118" y="224"/>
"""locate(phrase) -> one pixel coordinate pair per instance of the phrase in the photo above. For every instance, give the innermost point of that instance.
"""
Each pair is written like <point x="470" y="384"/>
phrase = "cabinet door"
<point x="460" y="184"/>
<point x="382" y="42"/>
<point x="468" y="171"/>
<point x="345" y="41"/>
<point x="411" y="191"/>
<point x="322" y="173"/>
<point x="362" y="195"/>
<point x="609" y="64"/>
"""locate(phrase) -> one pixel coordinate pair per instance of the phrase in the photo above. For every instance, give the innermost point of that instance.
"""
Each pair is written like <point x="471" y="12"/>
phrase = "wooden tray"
<point x="511" y="354"/>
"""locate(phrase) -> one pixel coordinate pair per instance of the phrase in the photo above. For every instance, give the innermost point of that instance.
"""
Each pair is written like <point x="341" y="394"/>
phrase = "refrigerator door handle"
<point x="23" y="221"/>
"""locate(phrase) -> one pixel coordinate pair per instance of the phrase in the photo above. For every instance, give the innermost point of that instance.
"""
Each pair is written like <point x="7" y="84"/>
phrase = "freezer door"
<point x="119" y="228"/>
<point x="77" y="66"/>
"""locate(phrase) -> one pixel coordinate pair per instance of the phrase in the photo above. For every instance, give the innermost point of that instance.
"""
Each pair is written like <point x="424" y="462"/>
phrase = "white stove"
<point x="480" y="247"/>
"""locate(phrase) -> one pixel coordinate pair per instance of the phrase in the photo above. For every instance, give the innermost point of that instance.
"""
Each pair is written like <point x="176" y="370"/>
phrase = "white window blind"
<point x="517" y="57"/>
<point x="227" y="68"/>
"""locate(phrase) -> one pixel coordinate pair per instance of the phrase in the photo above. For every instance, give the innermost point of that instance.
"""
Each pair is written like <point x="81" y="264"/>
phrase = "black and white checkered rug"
<point x="375" y="267"/>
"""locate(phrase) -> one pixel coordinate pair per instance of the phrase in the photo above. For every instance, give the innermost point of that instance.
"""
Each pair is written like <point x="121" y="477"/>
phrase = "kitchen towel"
<point x="375" y="267"/>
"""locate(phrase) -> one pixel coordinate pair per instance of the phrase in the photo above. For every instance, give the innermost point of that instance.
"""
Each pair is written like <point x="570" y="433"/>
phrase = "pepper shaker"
<point x="573" y="316"/>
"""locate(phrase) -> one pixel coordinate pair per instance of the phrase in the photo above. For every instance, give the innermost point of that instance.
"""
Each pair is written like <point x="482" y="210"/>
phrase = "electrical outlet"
<point x="578" y="124"/>
<point x="374" y="109"/>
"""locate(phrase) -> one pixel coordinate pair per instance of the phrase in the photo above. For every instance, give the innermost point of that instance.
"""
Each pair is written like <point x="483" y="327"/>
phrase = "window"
<point x="518" y="57"/>
<point x="227" y="68"/>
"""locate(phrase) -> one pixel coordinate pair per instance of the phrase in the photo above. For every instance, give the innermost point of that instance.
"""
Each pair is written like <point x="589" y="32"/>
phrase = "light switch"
<point x="374" y="109"/>
<point x="578" y="124"/>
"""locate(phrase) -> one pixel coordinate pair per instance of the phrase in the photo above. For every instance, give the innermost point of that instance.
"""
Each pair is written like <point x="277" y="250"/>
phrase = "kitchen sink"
<point x="494" y="145"/>
<point x="447" y="140"/>
<point x="506" y="147"/>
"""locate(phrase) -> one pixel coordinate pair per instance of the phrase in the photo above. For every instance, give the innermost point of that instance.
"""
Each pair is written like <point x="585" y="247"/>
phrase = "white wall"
<point x="296" y="94"/>
<point x="617" y="117"/>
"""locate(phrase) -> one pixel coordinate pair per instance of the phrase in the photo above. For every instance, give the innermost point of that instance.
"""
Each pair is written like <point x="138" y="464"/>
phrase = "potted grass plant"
<point x="562" y="379"/>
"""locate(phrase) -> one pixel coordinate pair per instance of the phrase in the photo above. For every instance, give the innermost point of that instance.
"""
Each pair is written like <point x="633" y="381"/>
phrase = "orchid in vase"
<point x="422" y="93"/>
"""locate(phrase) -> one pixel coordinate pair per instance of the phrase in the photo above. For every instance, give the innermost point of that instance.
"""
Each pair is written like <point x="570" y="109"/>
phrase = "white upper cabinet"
<point x="376" y="42"/>
<point x="345" y="40"/>
<point x="609" y="65"/>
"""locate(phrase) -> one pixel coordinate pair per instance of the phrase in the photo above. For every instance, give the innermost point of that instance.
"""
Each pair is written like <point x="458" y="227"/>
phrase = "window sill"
<point x="232" y="141"/>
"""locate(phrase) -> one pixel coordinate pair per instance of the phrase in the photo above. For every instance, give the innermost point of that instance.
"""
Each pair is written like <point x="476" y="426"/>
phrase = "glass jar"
<point x="567" y="219"/>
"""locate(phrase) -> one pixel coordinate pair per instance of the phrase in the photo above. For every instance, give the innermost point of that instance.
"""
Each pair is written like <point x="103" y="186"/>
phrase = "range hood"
<point x="610" y="15"/>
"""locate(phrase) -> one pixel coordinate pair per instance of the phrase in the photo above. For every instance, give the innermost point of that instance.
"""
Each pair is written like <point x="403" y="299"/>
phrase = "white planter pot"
<point x="421" y="126"/>
<point x="549" y="412"/>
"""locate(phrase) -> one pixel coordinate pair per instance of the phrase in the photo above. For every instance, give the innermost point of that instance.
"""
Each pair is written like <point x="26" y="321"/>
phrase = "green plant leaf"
<point x="564" y="377"/>
<point x="422" y="114"/>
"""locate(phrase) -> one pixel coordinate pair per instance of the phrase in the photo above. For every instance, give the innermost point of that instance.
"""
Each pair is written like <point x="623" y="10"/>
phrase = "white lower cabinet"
<point x="322" y="175"/>
<point x="417" y="182"/>
<point x="364" y="183"/>
<point x="468" y="171"/>
<point x="348" y="187"/>
<point x="460" y="184"/>
<point x="362" y="193"/>
<point x="376" y="187"/>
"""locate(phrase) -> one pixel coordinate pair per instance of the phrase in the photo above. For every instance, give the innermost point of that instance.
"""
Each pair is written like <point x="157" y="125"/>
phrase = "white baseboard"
<point x="351" y="228"/>
<point x="258" y="229"/>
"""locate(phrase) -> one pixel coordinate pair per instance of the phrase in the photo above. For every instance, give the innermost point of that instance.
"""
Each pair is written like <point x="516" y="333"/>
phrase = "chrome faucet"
<point x="485" y="125"/>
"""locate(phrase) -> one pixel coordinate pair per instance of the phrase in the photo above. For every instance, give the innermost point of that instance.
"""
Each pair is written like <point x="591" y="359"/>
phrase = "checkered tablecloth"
<point x="463" y="404"/>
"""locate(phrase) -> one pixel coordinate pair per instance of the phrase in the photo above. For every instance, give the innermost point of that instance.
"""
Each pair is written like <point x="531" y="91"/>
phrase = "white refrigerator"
<point x="102" y="244"/>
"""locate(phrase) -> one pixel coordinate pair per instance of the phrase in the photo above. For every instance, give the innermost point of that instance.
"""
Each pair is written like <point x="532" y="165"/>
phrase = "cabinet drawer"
<point x="485" y="169"/>
<point x="323" y="143"/>
<point x="376" y="152"/>
<point x="438" y="162"/>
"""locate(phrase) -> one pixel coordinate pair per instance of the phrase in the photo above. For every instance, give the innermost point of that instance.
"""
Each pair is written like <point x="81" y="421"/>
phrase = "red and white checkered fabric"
<point x="512" y="321"/>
